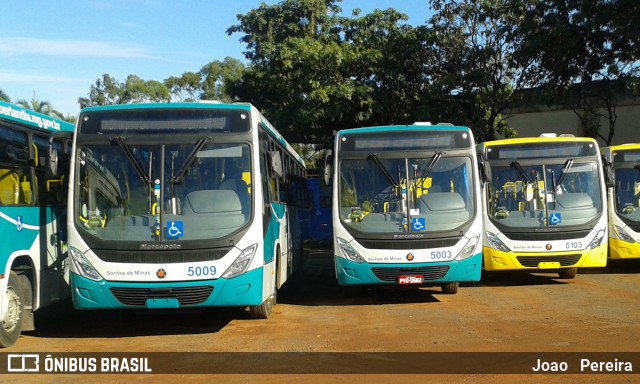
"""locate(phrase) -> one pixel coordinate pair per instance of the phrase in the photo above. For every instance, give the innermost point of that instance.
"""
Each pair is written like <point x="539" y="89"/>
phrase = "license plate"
<point x="549" y="265"/>
<point x="410" y="279"/>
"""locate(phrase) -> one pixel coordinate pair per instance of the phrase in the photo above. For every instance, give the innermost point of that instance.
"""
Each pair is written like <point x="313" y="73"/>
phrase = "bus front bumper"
<point x="243" y="290"/>
<point x="619" y="249"/>
<point x="350" y="273"/>
<point x="495" y="260"/>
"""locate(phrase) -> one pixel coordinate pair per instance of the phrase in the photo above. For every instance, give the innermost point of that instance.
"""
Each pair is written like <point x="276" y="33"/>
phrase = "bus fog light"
<point x="83" y="266"/>
<point x="623" y="235"/>
<point x="597" y="240"/>
<point x="468" y="249"/>
<point x="348" y="252"/>
<point x="242" y="262"/>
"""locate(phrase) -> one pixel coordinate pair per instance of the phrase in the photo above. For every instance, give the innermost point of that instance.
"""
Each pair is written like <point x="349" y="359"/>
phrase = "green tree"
<point x="471" y="67"/>
<point x="105" y="91"/>
<point x="313" y="71"/>
<point x="210" y="83"/>
<point x="4" y="96"/>
<point x="109" y="91"/>
<point x="593" y="43"/>
<point x="43" y="107"/>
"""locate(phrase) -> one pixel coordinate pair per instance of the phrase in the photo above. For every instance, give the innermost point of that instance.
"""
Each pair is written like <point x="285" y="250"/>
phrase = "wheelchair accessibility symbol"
<point x="418" y="224"/>
<point x="555" y="218"/>
<point x="176" y="229"/>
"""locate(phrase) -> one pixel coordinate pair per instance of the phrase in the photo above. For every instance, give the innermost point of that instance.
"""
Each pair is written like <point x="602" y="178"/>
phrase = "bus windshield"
<point x="399" y="194"/>
<point x="143" y="192"/>
<point x="534" y="196"/>
<point x="627" y="187"/>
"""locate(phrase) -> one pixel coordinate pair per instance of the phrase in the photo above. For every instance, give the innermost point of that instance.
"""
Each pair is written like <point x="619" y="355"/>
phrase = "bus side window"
<point x="9" y="187"/>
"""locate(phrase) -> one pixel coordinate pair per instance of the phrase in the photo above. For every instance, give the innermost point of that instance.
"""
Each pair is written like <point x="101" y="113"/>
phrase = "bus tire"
<point x="450" y="288"/>
<point x="264" y="310"/>
<point x="568" y="273"/>
<point x="12" y="319"/>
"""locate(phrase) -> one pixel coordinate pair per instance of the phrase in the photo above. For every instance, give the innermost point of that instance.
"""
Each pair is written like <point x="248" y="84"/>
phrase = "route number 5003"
<point x="201" y="271"/>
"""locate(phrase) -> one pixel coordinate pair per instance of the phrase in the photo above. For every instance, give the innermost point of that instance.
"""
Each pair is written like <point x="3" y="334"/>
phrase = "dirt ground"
<point x="509" y="312"/>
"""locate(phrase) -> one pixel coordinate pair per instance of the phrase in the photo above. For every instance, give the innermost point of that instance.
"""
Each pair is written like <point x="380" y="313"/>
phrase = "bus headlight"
<point x="83" y="266"/>
<point x="597" y="240"/>
<point x="496" y="243"/>
<point x="348" y="252"/>
<point x="468" y="249"/>
<point x="242" y="262"/>
<point x="623" y="235"/>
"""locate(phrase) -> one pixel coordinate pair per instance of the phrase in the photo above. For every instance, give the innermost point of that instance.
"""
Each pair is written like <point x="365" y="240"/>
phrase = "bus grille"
<point x="408" y="244"/>
<point x="428" y="273"/>
<point x="137" y="297"/>
<point x="165" y="257"/>
<point x="533" y="261"/>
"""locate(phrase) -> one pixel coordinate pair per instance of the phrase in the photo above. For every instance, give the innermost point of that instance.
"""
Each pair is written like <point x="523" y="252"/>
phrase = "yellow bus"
<point x="544" y="205"/>
<point x="622" y="163"/>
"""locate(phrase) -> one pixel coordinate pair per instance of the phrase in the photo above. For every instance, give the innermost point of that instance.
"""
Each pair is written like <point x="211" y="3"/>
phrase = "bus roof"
<point x="205" y="104"/>
<point x="33" y="119"/>
<point x="414" y="127"/>
<point x="534" y="140"/>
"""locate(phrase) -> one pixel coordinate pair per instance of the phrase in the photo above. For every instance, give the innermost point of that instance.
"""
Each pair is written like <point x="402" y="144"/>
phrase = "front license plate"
<point x="410" y="279"/>
<point x="549" y="265"/>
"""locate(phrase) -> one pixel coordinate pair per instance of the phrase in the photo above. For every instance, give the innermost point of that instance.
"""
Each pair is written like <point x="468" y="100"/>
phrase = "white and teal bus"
<point x="34" y="154"/>
<point x="623" y="174"/>
<point x="406" y="206"/>
<point x="185" y="205"/>
<point x="545" y="205"/>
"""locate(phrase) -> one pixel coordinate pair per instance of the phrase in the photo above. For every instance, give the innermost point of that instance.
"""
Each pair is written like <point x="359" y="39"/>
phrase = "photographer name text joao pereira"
<point x="74" y="364"/>
<point x="586" y="365"/>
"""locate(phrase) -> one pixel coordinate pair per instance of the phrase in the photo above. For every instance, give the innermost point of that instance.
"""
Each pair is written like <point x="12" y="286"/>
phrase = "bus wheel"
<point x="450" y="288"/>
<point x="568" y="273"/>
<point x="264" y="310"/>
<point x="12" y="318"/>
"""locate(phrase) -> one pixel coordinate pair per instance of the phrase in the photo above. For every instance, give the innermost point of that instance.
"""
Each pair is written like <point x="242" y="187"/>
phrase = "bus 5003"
<point x="435" y="255"/>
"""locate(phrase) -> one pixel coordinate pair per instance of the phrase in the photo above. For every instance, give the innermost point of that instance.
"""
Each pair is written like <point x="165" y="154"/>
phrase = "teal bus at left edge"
<point x="182" y="206"/>
<point x="34" y="160"/>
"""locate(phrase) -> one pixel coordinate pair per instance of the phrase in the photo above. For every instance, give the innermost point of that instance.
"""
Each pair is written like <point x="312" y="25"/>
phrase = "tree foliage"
<point x="313" y="70"/>
<point x="590" y="42"/>
<point x="4" y="96"/>
<point x="40" y="106"/>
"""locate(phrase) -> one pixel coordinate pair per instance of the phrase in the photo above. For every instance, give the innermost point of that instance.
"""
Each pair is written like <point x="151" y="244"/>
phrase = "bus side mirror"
<point x="52" y="160"/>
<point x="609" y="177"/>
<point x="484" y="168"/>
<point x="276" y="165"/>
<point x="328" y="167"/>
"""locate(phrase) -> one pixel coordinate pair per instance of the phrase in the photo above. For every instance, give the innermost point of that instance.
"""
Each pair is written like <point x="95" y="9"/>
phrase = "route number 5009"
<point x="201" y="271"/>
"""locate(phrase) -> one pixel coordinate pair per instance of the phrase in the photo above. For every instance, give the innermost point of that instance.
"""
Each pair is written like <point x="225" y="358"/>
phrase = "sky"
<point x="55" y="50"/>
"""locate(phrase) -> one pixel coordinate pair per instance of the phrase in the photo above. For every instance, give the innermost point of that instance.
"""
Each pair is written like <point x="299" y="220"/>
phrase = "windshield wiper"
<point x="521" y="171"/>
<point x="179" y="177"/>
<point x="132" y="158"/>
<point x="567" y="166"/>
<point x="428" y="169"/>
<point x="385" y="171"/>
